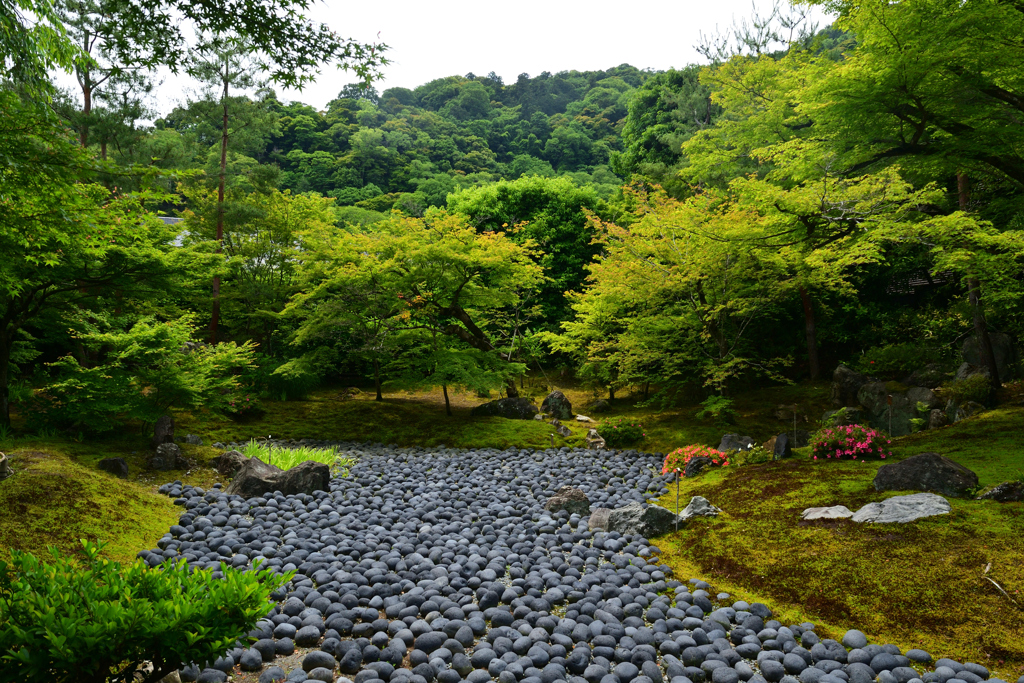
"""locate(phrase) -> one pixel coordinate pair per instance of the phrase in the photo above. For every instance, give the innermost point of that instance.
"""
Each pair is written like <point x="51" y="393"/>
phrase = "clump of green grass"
<point x="287" y="458"/>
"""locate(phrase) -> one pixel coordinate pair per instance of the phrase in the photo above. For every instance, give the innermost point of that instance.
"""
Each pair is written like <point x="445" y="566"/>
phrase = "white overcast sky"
<point x="431" y="39"/>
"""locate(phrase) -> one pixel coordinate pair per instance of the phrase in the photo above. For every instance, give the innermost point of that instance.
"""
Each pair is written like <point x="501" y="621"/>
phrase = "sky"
<point x="437" y="38"/>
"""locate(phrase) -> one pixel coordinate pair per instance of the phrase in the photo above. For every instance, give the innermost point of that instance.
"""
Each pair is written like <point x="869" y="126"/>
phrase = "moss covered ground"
<point x="54" y="500"/>
<point x="923" y="584"/>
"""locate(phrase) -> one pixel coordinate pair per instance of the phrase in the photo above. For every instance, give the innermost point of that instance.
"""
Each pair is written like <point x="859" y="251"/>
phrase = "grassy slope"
<point x="916" y="585"/>
<point x="54" y="501"/>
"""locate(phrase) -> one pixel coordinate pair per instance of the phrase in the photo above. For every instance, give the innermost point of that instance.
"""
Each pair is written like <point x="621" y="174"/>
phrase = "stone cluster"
<point x="442" y="565"/>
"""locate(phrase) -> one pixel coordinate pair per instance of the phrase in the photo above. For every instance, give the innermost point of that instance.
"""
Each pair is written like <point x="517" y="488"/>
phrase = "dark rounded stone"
<point x="430" y="641"/>
<point x="267" y="648"/>
<point x="794" y="663"/>
<point x="482" y="658"/>
<point x="626" y="672"/>
<point x="307" y="636"/>
<point x="883" y="662"/>
<point x="772" y="670"/>
<point x="273" y="674"/>
<point x="318" y="658"/>
<point x="251" y="660"/>
<point x="860" y="673"/>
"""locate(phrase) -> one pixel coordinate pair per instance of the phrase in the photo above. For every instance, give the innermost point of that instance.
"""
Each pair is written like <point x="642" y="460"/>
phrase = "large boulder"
<point x="1004" y="349"/>
<point x="842" y="417"/>
<point x="799" y="438"/>
<point x="557" y="405"/>
<point x="116" y="466"/>
<point x="698" y="507"/>
<point x="929" y="376"/>
<point x="731" y="443"/>
<point x="573" y="501"/>
<point x="256" y="478"/>
<point x="167" y="457"/>
<point x="779" y="446"/>
<point x="1007" y="492"/>
<point x="832" y="512"/>
<point x="846" y="382"/>
<point x="5" y="467"/>
<point x="903" y="509"/>
<point x="509" y="408"/>
<point x="599" y="519"/>
<point x="595" y="441"/>
<point x="697" y="465"/>
<point x="599" y="406"/>
<point x="937" y="418"/>
<point x="923" y="398"/>
<point x="163" y="430"/>
<point x="893" y="417"/>
<point x="229" y="462"/>
<point x="927" y="472"/>
<point x="647" y="521"/>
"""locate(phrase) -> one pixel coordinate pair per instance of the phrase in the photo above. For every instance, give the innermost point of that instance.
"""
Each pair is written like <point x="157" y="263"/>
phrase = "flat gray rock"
<point x="903" y="509"/>
<point x="698" y="507"/>
<point x="833" y="512"/>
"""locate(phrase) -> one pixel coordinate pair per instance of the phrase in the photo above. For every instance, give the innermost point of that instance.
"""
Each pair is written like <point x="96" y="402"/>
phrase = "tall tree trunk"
<point x="215" y="314"/>
<point x="5" y="377"/>
<point x="447" y="403"/>
<point x="376" y="379"/>
<point x="611" y="393"/>
<point x="812" y="342"/>
<point x="988" y="355"/>
<point x="510" y="388"/>
<point x="83" y="133"/>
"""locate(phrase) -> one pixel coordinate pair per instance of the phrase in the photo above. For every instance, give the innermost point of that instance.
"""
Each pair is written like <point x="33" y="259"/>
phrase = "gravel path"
<point x="441" y="565"/>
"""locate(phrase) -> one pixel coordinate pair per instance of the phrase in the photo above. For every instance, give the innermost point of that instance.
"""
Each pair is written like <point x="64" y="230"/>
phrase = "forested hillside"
<point x="415" y="146"/>
<point x="804" y="198"/>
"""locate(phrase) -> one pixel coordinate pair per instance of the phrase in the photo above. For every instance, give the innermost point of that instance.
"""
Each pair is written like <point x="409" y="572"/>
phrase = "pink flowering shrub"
<point x="849" y="442"/>
<point x="677" y="459"/>
<point x="622" y="432"/>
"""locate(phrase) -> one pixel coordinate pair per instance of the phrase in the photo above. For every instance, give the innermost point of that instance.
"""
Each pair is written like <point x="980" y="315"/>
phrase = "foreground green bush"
<point x="99" y="621"/>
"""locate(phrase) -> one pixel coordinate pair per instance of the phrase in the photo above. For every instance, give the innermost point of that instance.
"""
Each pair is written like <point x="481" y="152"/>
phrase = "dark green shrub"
<point x="974" y="388"/>
<point x="896" y="360"/>
<point x="622" y="432"/>
<point x="98" y="621"/>
<point x="718" y="408"/>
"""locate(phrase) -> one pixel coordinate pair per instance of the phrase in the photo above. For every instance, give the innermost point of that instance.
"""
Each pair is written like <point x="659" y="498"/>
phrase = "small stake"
<point x="677" y="500"/>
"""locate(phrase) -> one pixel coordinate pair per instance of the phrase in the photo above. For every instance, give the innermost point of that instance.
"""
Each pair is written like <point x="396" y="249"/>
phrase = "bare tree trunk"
<point x="215" y="314"/>
<point x="812" y="342"/>
<point x="376" y="379"/>
<point x="611" y="393"/>
<point x="447" y="403"/>
<point x="988" y="354"/>
<point x="83" y="133"/>
<point x="510" y="388"/>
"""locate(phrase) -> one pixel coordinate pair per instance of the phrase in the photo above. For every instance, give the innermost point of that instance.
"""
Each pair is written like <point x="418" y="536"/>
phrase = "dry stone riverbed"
<point x="441" y="565"/>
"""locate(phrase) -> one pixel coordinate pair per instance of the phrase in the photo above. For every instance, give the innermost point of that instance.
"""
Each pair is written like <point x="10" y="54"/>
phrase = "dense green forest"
<point x="803" y="198"/>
